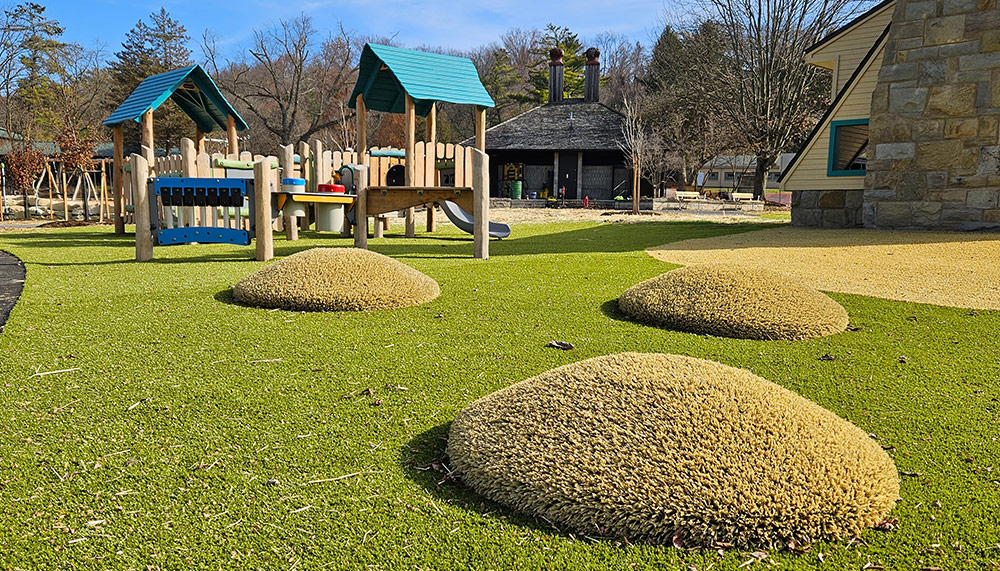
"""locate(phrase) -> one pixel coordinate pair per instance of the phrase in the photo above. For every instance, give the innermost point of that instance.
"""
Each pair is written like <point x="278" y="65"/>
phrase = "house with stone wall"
<point x="911" y="138"/>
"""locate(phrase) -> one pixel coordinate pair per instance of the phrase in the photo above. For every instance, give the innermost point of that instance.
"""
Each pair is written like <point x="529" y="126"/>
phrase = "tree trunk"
<point x="760" y="175"/>
<point x="684" y="175"/>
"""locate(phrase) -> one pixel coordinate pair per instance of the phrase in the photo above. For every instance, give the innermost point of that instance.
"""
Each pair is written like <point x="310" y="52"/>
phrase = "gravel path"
<point x="11" y="284"/>
<point x="940" y="268"/>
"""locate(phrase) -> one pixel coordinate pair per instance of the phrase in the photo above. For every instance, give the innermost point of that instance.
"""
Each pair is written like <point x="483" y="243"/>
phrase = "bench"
<point x="687" y="194"/>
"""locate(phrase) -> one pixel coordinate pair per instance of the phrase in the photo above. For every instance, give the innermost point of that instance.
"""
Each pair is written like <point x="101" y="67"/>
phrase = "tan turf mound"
<point x="336" y="279"/>
<point x="641" y="446"/>
<point x="733" y="302"/>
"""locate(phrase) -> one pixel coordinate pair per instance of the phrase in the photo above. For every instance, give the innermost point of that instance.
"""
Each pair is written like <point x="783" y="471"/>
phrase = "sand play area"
<point x="940" y="268"/>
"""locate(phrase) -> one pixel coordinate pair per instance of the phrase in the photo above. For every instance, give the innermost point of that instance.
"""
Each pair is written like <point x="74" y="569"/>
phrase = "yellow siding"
<point x="809" y="171"/>
<point x="852" y="46"/>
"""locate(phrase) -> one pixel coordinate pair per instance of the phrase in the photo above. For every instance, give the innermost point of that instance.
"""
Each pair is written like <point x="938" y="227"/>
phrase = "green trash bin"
<point x="515" y="190"/>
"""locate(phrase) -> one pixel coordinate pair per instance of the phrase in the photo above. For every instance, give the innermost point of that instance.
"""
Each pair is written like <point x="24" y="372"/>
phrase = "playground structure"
<point x="411" y="82"/>
<point x="187" y="193"/>
<point x="61" y="193"/>
<point x="196" y="95"/>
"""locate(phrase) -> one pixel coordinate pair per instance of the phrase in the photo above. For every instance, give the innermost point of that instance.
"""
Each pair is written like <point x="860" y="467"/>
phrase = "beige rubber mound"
<point x="942" y="268"/>
<point x="641" y="446"/>
<point x="336" y="279"/>
<point x="733" y="302"/>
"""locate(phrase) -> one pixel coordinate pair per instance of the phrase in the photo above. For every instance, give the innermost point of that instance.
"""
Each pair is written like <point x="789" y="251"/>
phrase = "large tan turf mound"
<point x="733" y="302"/>
<point x="336" y="279"/>
<point x="641" y="446"/>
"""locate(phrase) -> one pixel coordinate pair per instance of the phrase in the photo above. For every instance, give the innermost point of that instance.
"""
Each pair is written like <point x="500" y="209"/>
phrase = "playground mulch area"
<point x="147" y="421"/>
<point x="941" y="268"/>
<point x="542" y="215"/>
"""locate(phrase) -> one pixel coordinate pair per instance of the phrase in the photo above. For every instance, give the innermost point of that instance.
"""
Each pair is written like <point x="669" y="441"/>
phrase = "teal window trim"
<point x="835" y="143"/>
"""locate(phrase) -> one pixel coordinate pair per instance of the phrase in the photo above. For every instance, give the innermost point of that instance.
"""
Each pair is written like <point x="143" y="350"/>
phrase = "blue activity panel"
<point x="230" y="194"/>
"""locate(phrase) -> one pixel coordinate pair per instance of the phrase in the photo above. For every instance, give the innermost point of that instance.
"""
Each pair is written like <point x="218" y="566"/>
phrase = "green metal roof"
<point x="190" y="88"/>
<point x="386" y="73"/>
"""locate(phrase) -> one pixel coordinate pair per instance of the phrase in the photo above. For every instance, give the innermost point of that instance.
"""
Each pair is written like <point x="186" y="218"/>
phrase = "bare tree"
<point x="642" y="150"/>
<point x="684" y="98"/>
<point x="622" y="63"/>
<point x="289" y="86"/>
<point x="771" y="86"/>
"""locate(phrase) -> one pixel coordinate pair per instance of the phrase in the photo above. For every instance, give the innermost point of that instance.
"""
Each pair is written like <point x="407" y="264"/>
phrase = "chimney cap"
<point x="556" y="56"/>
<point x="592" y="56"/>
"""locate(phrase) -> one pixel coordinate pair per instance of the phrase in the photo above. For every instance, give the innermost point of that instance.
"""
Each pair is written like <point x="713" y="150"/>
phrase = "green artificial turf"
<point x="197" y="433"/>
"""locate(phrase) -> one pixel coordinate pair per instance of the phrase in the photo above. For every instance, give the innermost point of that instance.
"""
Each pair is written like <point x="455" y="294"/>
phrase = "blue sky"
<point x="458" y="24"/>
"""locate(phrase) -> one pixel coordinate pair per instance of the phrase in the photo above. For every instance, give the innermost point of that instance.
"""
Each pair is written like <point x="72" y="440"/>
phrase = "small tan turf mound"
<point x="643" y="446"/>
<point x="336" y="279"/>
<point x="733" y="302"/>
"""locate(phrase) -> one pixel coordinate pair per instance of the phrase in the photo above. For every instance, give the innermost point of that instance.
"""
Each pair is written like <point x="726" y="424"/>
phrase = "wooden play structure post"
<point x="360" y="208"/>
<point x="199" y="140"/>
<point x="118" y="194"/>
<point x="143" y="236"/>
<point x="411" y="163"/>
<point x="147" y="137"/>
<point x="234" y="143"/>
<point x="481" y="128"/>
<point x="362" y="128"/>
<point x="287" y="161"/>
<point x="189" y="164"/>
<point x="481" y="204"/>
<point x="304" y="169"/>
<point x="430" y="142"/>
<point x="481" y="189"/>
<point x="263" y="179"/>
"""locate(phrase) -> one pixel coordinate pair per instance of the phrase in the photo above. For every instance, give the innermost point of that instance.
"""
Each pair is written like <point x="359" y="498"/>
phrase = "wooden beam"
<point x="263" y="179"/>
<point x="147" y="130"/>
<point x="481" y="128"/>
<point x="411" y="160"/>
<point x="143" y="229"/>
<point x="118" y="192"/>
<point x="383" y="200"/>
<point x="362" y="129"/>
<point x="199" y="140"/>
<point x="431" y="129"/>
<point x="148" y="147"/>
<point x="234" y="143"/>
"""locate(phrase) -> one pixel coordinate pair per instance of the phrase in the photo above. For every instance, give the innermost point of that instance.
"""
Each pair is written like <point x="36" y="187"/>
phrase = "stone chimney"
<point x="556" y="75"/>
<point x="934" y="120"/>
<point x="592" y="76"/>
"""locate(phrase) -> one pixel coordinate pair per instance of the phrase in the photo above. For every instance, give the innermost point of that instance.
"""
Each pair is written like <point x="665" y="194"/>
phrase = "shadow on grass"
<point x="595" y="238"/>
<point x="427" y="449"/>
<point x="611" y="310"/>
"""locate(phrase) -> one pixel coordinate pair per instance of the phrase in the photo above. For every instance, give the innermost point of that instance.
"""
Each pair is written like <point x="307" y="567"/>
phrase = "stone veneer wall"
<point x="827" y="208"/>
<point x="935" y="119"/>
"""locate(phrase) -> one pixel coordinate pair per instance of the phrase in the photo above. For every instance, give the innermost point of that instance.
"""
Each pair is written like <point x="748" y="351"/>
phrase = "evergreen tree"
<point x="36" y="57"/>
<point x="149" y="49"/>
<point x="573" y="62"/>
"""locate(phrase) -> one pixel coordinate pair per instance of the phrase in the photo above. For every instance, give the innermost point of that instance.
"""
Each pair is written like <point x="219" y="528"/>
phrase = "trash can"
<point x="515" y="190"/>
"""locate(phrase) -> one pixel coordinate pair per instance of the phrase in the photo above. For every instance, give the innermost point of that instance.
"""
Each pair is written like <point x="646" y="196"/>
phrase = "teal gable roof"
<point x="190" y="88"/>
<point x="386" y="73"/>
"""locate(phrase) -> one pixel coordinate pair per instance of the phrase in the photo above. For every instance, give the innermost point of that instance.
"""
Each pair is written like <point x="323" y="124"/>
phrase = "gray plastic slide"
<point x="464" y="220"/>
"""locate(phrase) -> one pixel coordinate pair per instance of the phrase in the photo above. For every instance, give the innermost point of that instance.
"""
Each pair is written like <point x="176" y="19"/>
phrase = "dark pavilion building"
<point x="569" y="144"/>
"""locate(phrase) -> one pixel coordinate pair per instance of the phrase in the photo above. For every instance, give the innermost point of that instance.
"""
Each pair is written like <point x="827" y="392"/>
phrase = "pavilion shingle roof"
<point x="570" y="125"/>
